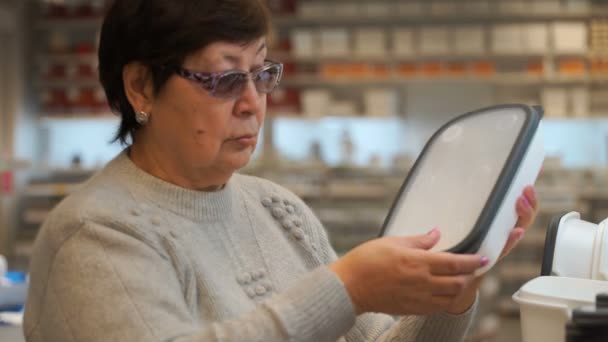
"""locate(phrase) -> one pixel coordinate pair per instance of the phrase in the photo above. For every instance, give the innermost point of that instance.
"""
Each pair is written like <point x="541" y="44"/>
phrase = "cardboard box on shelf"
<point x="342" y="108"/>
<point x="535" y="38"/>
<point x="380" y="102"/>
<point x="579" y="101"/>
<point x="315" y="102"/>
<point x="572" y="66"/>
<point x="434" y="41"/>
<point x="370" y="42"/>
<point x="545" y="6"/>
<point x="469" y="40"/>
<point x="311" y="9"/>
<point x="406" y="8"/>
<point x="507" y="39"/>
<point x="345" y="9"/>
<point x="377" y="9"/>
<point x="570" y="37"/>
<point x="403" y="42"/>
<point x="407" y="69"/>
<point x="334" y="42"/>
<point x="555" y="101"/>
<point x="577" y="5"/>
<point x="475" y="6"/>
<point x="303" y="43"/>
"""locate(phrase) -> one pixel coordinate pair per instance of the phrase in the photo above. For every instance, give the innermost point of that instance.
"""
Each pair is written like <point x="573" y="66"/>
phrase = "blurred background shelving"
<point x="366" y="83"/>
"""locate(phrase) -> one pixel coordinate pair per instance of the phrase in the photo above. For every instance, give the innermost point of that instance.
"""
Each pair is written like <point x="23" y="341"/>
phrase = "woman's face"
<point x="205" y="132"/>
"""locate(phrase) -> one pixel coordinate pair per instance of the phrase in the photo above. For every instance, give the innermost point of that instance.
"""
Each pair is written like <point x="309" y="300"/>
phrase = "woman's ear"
<point x="138" y="85"/>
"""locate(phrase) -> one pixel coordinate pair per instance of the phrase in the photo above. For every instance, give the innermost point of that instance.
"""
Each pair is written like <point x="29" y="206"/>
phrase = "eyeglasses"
<point x="231" y="84"/>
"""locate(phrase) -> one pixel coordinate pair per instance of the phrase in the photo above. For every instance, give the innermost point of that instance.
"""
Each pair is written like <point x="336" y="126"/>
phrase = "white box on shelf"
<point x="578" y="5"/>
<point x="570" y="37"/>
<point x="434" y="41"/>
<point x="342" y="108"/>
<point x="334" y="42"/>
<point x="408" y="9"/>
<point x="370" y="42"/>
<point x="469" y="40"/>
<point x="307" y="9"/>
<point x="442" y="7"/>
<point x="513" y="6"/>
<point x="315" y="102"/>
<point x="535" y="38"/>
<point x="580" y="101"/>
<point x="476" y="6"/>
<point x="555" y="101"/>
<point x="347" y="9"/>
<point x="403" y="42"/>
<point x="507" y="38"/>
<point x="380" y="102"/>
<point x="546" y="6"/>
<point x="303" y="43"/>
<point x="378" y="9"/>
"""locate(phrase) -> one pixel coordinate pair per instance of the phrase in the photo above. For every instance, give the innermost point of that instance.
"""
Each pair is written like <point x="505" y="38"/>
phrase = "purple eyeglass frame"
<point x="209" y="80"/>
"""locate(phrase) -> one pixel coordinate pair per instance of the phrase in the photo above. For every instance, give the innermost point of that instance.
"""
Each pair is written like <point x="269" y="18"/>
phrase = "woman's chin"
<point x="239" y="160"/>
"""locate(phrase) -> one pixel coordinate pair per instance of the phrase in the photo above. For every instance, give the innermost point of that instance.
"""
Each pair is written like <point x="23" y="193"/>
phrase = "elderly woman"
<point x="169" y="243"/>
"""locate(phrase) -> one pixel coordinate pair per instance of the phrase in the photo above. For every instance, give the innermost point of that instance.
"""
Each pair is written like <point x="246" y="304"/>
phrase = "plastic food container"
<point x="468" y="178"/>
<point x="546" y="304"/>
<point x="569" y="236"/>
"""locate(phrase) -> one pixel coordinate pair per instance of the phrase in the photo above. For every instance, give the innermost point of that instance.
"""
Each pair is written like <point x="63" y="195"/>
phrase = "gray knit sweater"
<point x="129" y="257"/>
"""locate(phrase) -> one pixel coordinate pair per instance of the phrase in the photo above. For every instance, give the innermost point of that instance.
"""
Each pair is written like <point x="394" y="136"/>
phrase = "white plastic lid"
<point x="461" y="176"/>
<point x="550" y="290"/>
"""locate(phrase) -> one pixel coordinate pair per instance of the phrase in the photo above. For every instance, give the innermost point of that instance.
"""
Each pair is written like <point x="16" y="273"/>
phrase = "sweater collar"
<point x="196" y="205"/>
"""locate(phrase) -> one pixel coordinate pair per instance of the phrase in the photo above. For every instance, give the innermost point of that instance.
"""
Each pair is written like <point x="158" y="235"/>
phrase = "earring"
<point x="142" y="117"/>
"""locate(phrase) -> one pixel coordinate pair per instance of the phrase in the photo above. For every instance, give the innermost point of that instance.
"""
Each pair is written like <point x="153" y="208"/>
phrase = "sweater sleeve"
<point x="380" y="327"/>
<point x="105" y="285"/>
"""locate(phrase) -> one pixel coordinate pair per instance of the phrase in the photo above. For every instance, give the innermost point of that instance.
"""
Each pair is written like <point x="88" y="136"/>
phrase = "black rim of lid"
<point x="550" y="241"/>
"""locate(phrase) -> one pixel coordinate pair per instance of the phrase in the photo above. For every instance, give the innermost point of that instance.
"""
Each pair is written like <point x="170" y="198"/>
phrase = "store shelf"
<point x="429" y="18"/>
<point x="504" y="79"/>
<point x="70" y="24"/>
<point x="390" y="59"/>
<point x="67" y="58"/>
<point x="50" y="189"/>
<point x="50" y="118"/>
<point x="17" y="164"/>
<point x="69" y="83"/>
<point x="35" y="216"/>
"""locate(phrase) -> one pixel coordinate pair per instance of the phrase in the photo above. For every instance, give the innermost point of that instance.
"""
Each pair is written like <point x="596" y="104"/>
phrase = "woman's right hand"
<point x="400" y="276"/>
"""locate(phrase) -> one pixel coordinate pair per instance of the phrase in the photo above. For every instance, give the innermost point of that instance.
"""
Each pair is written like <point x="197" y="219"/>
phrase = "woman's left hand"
<point x="527" y="209"/>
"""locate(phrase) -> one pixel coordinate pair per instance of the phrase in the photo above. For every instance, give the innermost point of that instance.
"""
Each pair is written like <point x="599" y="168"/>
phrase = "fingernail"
<point x="526" y="202"/>
<point x="484" y="261"/>
<point x="521" y="236"/>
<point x="432" y="231"/>
<point x="533" y="195"/>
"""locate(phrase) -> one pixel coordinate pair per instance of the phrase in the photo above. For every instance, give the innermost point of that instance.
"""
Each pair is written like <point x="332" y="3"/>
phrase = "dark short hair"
<point x="160" y="34"/>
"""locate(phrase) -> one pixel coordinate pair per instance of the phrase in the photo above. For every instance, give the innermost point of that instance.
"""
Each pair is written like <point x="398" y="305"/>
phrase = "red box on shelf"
<point x="284" y="101"/>
<point x="84" y="48"/>
<point x="55" y="100"/>
<point x="56" y="72"/>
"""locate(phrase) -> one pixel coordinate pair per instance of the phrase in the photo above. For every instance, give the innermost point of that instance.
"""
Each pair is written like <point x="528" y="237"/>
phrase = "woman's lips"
<point x="247" y="140"/>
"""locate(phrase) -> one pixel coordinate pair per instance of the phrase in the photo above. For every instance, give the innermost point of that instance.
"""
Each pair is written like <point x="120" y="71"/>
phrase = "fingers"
<point x="450" y="285"/>
<point x="515" y="237"/>
<point x="455" y="264"/>
<point x="425" y="242"/>
<point x="526" y="207"/>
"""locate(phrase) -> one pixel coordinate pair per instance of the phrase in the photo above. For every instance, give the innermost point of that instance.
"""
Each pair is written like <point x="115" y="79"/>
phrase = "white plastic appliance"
<point x="576" y="248"/>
